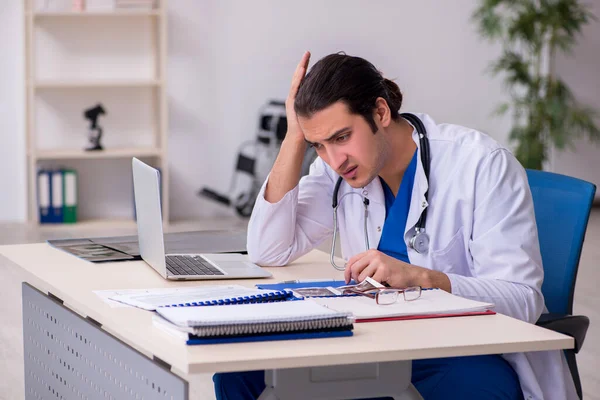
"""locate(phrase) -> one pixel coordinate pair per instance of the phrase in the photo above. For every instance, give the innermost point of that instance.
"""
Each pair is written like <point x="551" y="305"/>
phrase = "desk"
<point x="128" y="352"/>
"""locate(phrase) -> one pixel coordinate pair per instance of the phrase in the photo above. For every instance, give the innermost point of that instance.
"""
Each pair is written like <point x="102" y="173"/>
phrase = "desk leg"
<point x="357" y="381"/>
<point x="70" y="357"/>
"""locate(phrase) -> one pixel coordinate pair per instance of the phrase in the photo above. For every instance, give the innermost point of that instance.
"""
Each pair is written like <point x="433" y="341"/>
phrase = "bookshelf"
<point x="74" y="60"/>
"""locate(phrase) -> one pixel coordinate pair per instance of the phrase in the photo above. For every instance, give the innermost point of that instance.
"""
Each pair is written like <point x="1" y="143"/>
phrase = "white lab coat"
<point x="480" y="222"/>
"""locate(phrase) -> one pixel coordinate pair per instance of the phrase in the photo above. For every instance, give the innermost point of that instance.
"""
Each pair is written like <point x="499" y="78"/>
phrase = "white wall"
<point x="226" y="58"/>
<point x="13" y="205"/>
<point x="580" y="71"/>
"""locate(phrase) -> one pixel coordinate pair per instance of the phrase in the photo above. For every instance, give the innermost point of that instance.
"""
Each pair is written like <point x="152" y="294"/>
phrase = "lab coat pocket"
<point x="452" y="258"/>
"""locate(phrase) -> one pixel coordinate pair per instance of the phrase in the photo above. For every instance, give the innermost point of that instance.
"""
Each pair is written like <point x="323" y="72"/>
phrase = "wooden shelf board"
<point x="103" y="154"/>
<point x="122" y="13"/>
<point x="86" y="84"/>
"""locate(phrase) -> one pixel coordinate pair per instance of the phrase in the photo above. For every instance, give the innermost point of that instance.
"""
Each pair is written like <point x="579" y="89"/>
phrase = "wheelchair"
<point x="255" y="160"/>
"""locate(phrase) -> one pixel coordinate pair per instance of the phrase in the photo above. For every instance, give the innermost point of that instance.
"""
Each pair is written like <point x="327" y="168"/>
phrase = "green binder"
<point x="69" y="196"/>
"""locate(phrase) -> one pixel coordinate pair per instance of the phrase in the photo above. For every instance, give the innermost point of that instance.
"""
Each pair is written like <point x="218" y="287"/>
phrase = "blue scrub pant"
<point x="476" y="377"/>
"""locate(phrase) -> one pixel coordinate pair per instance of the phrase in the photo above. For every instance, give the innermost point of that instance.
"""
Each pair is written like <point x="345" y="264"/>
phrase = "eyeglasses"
<point x="386" y="296"/>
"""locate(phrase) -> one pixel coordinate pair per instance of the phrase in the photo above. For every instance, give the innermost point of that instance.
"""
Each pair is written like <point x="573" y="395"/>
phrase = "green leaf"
<point x="528" y="27"/>
<point x="501" y="109"/>
<point x="489" y="21"/>
<point x="515" y="68"/>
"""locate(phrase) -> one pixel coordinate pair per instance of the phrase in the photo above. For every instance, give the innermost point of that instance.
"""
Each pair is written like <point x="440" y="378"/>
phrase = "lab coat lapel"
<point x="420" y="186"/>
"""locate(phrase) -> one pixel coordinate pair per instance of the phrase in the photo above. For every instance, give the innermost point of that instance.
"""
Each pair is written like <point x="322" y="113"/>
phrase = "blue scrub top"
<point x="396" y="212"/>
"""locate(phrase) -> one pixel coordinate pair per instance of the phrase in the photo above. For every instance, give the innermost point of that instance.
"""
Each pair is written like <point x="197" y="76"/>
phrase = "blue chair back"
<point x="562" y="208"/>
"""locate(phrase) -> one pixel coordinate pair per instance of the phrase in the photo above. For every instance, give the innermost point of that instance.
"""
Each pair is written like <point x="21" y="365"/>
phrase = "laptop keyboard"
<point x="190" y="265"/>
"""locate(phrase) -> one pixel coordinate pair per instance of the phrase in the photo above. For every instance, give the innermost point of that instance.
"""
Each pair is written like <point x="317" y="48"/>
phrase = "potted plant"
<point x="545" y="112"/>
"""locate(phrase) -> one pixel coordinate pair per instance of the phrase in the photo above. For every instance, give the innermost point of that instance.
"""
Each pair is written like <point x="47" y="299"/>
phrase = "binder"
<point x="56" y="197"/>
<point x="43" y="195"/>
<point x="69" y="196"/>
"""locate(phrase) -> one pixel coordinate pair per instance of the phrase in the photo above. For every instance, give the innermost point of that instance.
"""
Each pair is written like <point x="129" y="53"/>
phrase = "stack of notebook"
<point x="302" y="319"/>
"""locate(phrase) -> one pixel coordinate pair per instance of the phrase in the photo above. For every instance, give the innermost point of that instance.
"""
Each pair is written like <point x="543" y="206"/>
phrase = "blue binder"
<point x="44" y="196"/>
<point x="56" y="197"/>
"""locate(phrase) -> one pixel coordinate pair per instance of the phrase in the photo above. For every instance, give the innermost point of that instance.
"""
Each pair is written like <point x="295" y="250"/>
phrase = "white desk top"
<point x="73" y="280"/>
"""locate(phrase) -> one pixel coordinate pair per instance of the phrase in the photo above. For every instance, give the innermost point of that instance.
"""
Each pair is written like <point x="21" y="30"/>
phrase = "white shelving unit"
<point x="75" y="59"/>
<point x="95" y="84"/>
<point x="96" y="14"/>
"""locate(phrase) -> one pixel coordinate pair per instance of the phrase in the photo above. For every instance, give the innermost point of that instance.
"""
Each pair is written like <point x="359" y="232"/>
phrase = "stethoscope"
<point x="419" y="242"/>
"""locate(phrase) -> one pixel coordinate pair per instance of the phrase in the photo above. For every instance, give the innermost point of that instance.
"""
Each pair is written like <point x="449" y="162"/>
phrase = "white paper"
<point x="431" y="302"/>
<point x="151" y="299"/>
<point x="105" y="295"/>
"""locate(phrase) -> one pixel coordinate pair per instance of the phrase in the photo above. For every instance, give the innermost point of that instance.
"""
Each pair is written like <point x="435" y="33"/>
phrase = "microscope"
<point x="94" y="131"/>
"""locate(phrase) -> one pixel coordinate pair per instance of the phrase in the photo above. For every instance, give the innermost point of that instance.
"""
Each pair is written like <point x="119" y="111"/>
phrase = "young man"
<point x="482" y="238"/>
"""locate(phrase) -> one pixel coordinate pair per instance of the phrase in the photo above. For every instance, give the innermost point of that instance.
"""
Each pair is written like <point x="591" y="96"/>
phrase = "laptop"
<point x="152" y="246"/>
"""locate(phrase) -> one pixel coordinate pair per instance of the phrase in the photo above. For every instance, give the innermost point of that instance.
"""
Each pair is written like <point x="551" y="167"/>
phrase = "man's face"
<point x="346" y="143"/>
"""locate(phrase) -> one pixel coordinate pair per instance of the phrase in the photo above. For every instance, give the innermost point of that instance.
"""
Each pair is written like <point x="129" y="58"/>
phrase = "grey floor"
<point x="587" y="302"/>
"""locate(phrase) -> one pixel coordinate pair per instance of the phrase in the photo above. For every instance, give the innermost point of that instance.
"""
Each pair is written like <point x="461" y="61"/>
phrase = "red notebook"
<point x="433" y="303"/>
<point x="409" y="317"/>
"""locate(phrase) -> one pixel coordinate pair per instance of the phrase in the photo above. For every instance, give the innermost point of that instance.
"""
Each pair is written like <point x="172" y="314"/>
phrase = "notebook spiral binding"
<point x="272" y="327"/>
<point x="259" y="298"/>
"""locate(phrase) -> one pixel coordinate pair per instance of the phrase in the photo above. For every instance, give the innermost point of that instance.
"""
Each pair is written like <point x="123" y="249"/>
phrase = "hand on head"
<point x="292" y="119"/>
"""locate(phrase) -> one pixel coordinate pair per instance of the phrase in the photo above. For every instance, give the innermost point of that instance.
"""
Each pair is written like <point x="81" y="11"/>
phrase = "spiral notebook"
<point x="259" y="321"/>
<point x="206" y="295"/>
<point x="191" y="339"/>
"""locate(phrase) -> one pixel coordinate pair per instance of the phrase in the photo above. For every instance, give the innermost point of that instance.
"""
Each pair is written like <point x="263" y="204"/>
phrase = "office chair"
<point x="562" y="208"/>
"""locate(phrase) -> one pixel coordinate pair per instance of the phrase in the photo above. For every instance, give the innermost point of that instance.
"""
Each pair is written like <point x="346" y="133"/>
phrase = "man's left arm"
<point x="507" y="264"/>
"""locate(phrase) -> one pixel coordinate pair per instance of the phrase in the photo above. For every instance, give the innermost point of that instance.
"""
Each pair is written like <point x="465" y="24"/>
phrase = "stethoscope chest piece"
<point x="420" y="242"/>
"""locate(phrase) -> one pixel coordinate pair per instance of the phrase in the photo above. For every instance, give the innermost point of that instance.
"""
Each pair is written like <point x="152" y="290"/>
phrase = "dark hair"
<point x="353" y="80"/>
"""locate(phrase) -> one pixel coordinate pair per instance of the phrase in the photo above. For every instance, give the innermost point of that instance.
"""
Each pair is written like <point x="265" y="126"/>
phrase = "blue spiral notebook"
<point x="207" y="295"/>
<point x="271" y="336"/>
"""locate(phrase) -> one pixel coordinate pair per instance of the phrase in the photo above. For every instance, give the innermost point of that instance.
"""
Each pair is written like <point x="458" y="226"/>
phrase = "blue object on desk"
<point x="271" y="336"/>
<point x="301" y="284"/>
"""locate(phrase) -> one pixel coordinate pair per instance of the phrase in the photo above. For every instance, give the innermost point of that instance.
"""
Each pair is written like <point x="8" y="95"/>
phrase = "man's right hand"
<point x="285" y="173"/>
<point x="293" y="127"/>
